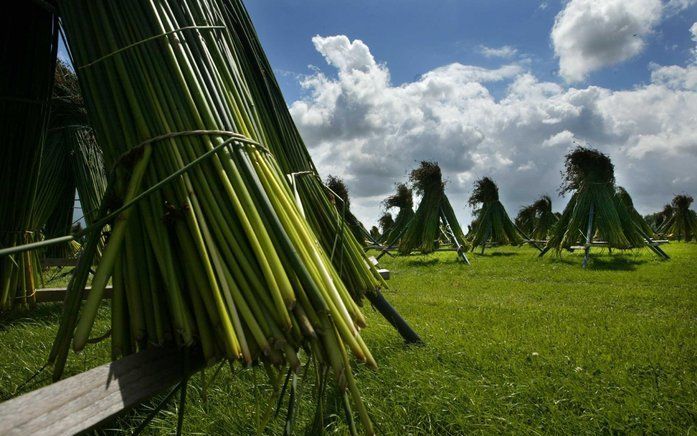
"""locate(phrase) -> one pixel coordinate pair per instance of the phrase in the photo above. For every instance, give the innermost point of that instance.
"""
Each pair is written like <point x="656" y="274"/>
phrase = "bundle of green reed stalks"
<point x="592" y="211"/>
<point x="526" y="220"/>
<point x="347" y="255"/>
<point x="545" y="218"/>
<point x="55" y="194"/>
<point x="358" y="273"/>
<point x="403" y="201"/>
<point x="71" y="162"/>
<point x="28" y="48"/>
<point x="337" y="188"/>
<point x="492" y="223"/>
<point x="423" y="230"/>
<point x="681" y="223"/>
<point x="657" y="219"/>
<point x="221" y="256"/>
<point x="625" y="202"/>
<point x="385" y="222"/>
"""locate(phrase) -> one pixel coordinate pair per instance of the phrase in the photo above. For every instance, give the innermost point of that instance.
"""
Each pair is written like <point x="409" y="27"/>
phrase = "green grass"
<point x="514" y="344"/>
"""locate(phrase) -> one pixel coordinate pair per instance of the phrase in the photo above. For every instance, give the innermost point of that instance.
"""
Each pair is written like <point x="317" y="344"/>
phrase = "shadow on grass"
<point x="46" y="312"/>
<point x="601" y="262"/>
<point x="495" y="254"/>
<point x="423" y="262"/>
<point x="615" y="263"/>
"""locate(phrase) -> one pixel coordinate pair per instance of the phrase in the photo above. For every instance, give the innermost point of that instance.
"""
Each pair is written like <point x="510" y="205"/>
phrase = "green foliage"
<point x="514" y="345"/>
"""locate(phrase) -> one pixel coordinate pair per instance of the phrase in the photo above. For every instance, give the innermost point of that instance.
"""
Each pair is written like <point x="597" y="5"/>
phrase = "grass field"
<point x="514" y="344"/>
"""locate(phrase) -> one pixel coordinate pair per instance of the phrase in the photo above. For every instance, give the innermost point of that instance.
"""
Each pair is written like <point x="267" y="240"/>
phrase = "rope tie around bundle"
<point x="235" y="137"/>
<point x="143" y="41"/>
<point x="104" y="218"/>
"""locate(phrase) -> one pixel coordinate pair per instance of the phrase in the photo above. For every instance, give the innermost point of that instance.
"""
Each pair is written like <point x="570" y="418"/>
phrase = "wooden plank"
<point x="83" y="401"/>
<point x="53" y="295"/>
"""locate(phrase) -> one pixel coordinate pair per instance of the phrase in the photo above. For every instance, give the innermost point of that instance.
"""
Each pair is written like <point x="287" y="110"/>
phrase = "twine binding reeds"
<point x="143" y="41"/>
<point x="102" y="221"/>
<point x="234" y="137"/>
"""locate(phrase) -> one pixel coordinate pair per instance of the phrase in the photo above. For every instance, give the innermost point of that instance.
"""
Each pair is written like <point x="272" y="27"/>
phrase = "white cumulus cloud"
<point x="361" y="126"/>
<point x="505" y="51"/>
<point x="591" y="34"/>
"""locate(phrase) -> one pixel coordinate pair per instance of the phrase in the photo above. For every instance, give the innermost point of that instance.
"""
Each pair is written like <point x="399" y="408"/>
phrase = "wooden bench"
<point x="85" y="400"/>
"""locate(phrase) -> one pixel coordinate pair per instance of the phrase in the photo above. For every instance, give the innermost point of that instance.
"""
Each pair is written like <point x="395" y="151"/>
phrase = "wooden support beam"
<point x="527" y="239"/>
<point x="589" y="236"/>
<point x="458" y="246"/>
<point x="393" y="317"/>
<point x="83" y="401"/>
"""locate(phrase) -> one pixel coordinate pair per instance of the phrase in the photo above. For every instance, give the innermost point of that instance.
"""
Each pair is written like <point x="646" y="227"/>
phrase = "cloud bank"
<point x="591" y="34"/>
<point x="360" y="126"/>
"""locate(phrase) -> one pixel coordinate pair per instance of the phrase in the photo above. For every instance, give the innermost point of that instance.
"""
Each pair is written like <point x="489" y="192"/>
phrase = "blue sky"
<point x="580" y="80"/>
<point x="416" y="36"/>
